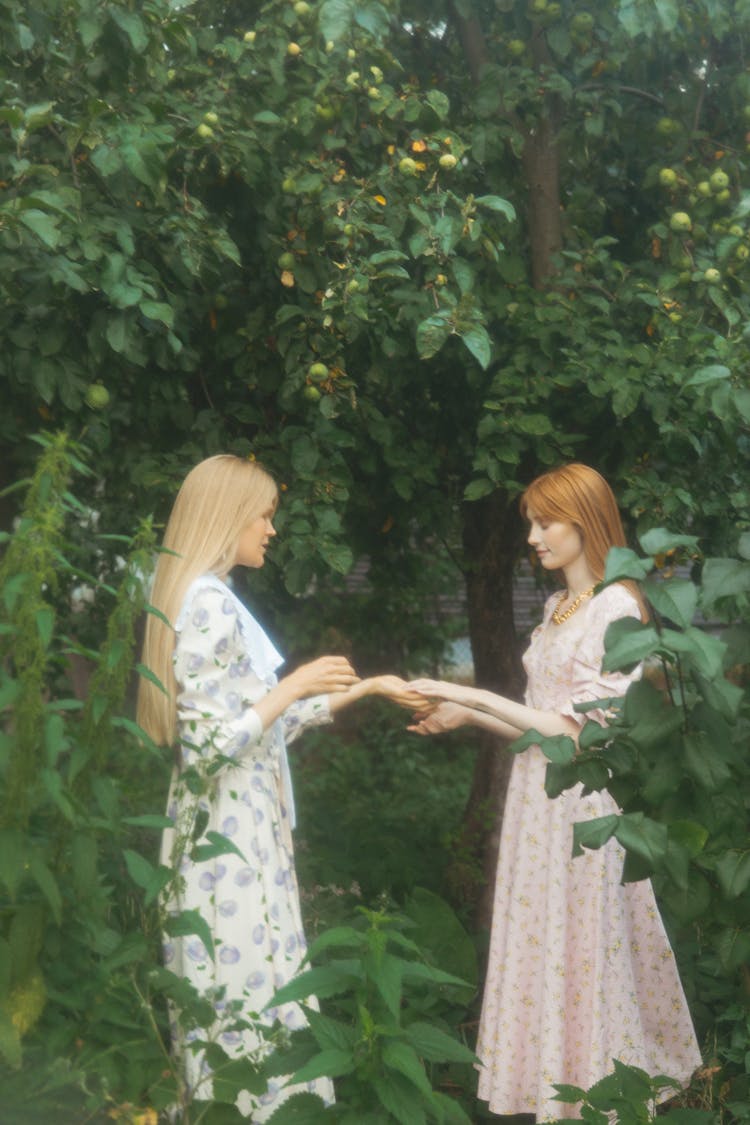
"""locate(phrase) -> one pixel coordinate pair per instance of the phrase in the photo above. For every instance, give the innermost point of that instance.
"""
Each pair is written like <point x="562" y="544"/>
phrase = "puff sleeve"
<point x="588" y="681"/>
<point x="216" y="683"/>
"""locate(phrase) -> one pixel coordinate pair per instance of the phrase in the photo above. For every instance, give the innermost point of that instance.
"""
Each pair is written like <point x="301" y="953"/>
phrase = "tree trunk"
<point x="541" y="163"/>
<point x="492" y="535"/>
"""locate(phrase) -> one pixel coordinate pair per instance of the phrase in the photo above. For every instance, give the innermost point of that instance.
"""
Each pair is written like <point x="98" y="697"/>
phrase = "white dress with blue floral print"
<point x="224" y="663"/>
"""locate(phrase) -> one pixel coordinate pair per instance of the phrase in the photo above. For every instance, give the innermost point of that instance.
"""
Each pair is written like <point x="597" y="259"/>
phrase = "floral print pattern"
<point x="580" y="968"/>
<point x="249" y="898"/>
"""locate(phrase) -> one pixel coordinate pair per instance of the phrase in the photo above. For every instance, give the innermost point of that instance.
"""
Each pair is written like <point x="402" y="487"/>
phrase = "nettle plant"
<point x="386" y="1028"/>
<point x="83" y="997"/>
<point x="675" y="759"/>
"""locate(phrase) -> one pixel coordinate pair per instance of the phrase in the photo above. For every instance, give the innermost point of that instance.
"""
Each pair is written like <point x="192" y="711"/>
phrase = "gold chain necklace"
<point x="558" y="617"/>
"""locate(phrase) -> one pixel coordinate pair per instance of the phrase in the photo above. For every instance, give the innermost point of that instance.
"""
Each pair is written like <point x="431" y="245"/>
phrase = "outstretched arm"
<point x="328" y="675"/>
<point x="451" y="716"/>
<point x="387" y="687"/>
<point x="517" y="716"/>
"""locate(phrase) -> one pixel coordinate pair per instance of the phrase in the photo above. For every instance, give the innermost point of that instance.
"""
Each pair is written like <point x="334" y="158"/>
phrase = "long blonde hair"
<point x="579" y="495"/>
<point x="217" y="500"/>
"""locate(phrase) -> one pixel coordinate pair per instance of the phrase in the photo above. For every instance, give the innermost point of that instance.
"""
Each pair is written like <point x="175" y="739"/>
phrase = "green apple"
<point x="97" y="396"/>
<point x="719" y="181"/>
<point x="204" y="131"/>
<point x="703" y="188"/>
<point x="667" y="126"/>
<point x="712" y="276"/>
<point x="680" y="222"/>
<point x="249" y="37"/>
<point x="312" y="394"/>
<point x="448" y="161"/>
<point x="318" y="372"/>
<point x="582" y="23"/>
<point x="668" y="177"/>
<point x="286" y="261"/>
<point x="211" y="118"/>
<point x="407" y="166"/>
<point x="293" y="49"/>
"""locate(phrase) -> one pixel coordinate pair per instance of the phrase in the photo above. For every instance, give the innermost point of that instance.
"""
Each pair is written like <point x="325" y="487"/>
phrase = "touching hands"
<point x="326" y="675"/>
<point x="445" y="717"/>
<point x="398" y="691"/>
<point x="438" y="689"/>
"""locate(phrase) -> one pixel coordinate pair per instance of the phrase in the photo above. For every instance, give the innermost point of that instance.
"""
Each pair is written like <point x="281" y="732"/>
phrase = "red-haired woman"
<point x="580" y="968"/>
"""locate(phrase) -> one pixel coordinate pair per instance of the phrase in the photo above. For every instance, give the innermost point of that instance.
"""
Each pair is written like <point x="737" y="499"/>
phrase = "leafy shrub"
<point x="381" y="1033"/>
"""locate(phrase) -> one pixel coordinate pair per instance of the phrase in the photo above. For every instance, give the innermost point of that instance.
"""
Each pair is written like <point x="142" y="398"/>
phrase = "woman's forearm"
<point x="517" y="716"/>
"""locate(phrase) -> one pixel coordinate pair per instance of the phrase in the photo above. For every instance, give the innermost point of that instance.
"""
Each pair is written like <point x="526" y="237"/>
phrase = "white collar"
<point x="264" y="656"/>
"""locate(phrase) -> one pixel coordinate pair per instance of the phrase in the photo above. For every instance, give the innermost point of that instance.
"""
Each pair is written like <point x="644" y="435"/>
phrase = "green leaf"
<point x="116" y="332"/>
<point x="497" y="203"/>
<point x="733" y="945"/>
<point x="478" y="342"/>
<point x="386" y="974"/>
<point x="301" y="1109"/>
<point x="10" y="1041"/>
<point x="325" y="981"/>
<point x="658" y="541"/>
<point x="133" y="27"/>
<point x="723" y="578"/>
<point x="439" y="102"/>
<point x="645" y="838"/>
<point x="149" y="820"/>
<point x="705" y="763"/>
<point x="13" y="849"/>
<point x="623" y="563"/>
<point x="329" y="1032"/>
<point x="733" y="870"/>
<point x="158" y="310"/>
<point x="435" y="1045"/>
<point x="44" y="226"/>
<point x="267" y="117"/>
<point x="403" y="1058"/>
<point x="141" y="871"/>
<point x="331" y="1063"/>
<point x="673" y="598"/>
<point x="339" y="937"/>
<point x="593" y="833"/>
<point x="218" y="845"/>
<point x="46" y="882"/>
<point x="400" y="1099"/>
<point x="191" y="922"/>
<point x="627" y="642"/>
<point x="431" y="335"/>
<point x="476" y="489"/>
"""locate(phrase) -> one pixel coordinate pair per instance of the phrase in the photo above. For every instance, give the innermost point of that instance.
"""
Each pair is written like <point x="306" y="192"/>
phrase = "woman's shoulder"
<point x="205" y="596"/>
<point x="615" y="601"/>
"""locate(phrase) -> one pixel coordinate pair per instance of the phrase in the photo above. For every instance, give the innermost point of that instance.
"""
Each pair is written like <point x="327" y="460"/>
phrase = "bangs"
<point x="541" y="496"/>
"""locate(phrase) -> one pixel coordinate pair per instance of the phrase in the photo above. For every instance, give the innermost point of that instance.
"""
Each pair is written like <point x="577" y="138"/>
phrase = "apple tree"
<point x="407" y="254"/>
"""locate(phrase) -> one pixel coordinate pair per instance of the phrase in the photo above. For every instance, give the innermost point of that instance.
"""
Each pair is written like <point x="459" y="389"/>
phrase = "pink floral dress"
<point x="580" y="969"/>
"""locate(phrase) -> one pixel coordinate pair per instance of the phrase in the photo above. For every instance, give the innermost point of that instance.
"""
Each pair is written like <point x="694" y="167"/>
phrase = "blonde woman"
<point x="231" y="719"/>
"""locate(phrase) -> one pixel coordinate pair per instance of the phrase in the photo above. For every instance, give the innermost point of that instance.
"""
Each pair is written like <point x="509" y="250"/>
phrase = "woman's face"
<point x="557" y="544"/>
<point x="253" y="541"/>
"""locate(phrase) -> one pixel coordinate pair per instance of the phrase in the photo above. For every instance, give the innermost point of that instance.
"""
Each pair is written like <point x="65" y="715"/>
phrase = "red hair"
<point x="578" y="495"/>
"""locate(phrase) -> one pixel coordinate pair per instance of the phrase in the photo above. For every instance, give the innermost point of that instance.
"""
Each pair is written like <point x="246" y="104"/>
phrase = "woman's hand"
<point x="438" y="689"/>
<point x="445" y="717"/>
<point x="389" y="687"/>
<point x="326" y="675"/>
<point x="398" y="691"/>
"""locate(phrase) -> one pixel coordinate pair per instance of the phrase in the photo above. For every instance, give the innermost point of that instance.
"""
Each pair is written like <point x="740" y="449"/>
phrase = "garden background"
<point x="408" y="256"/>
